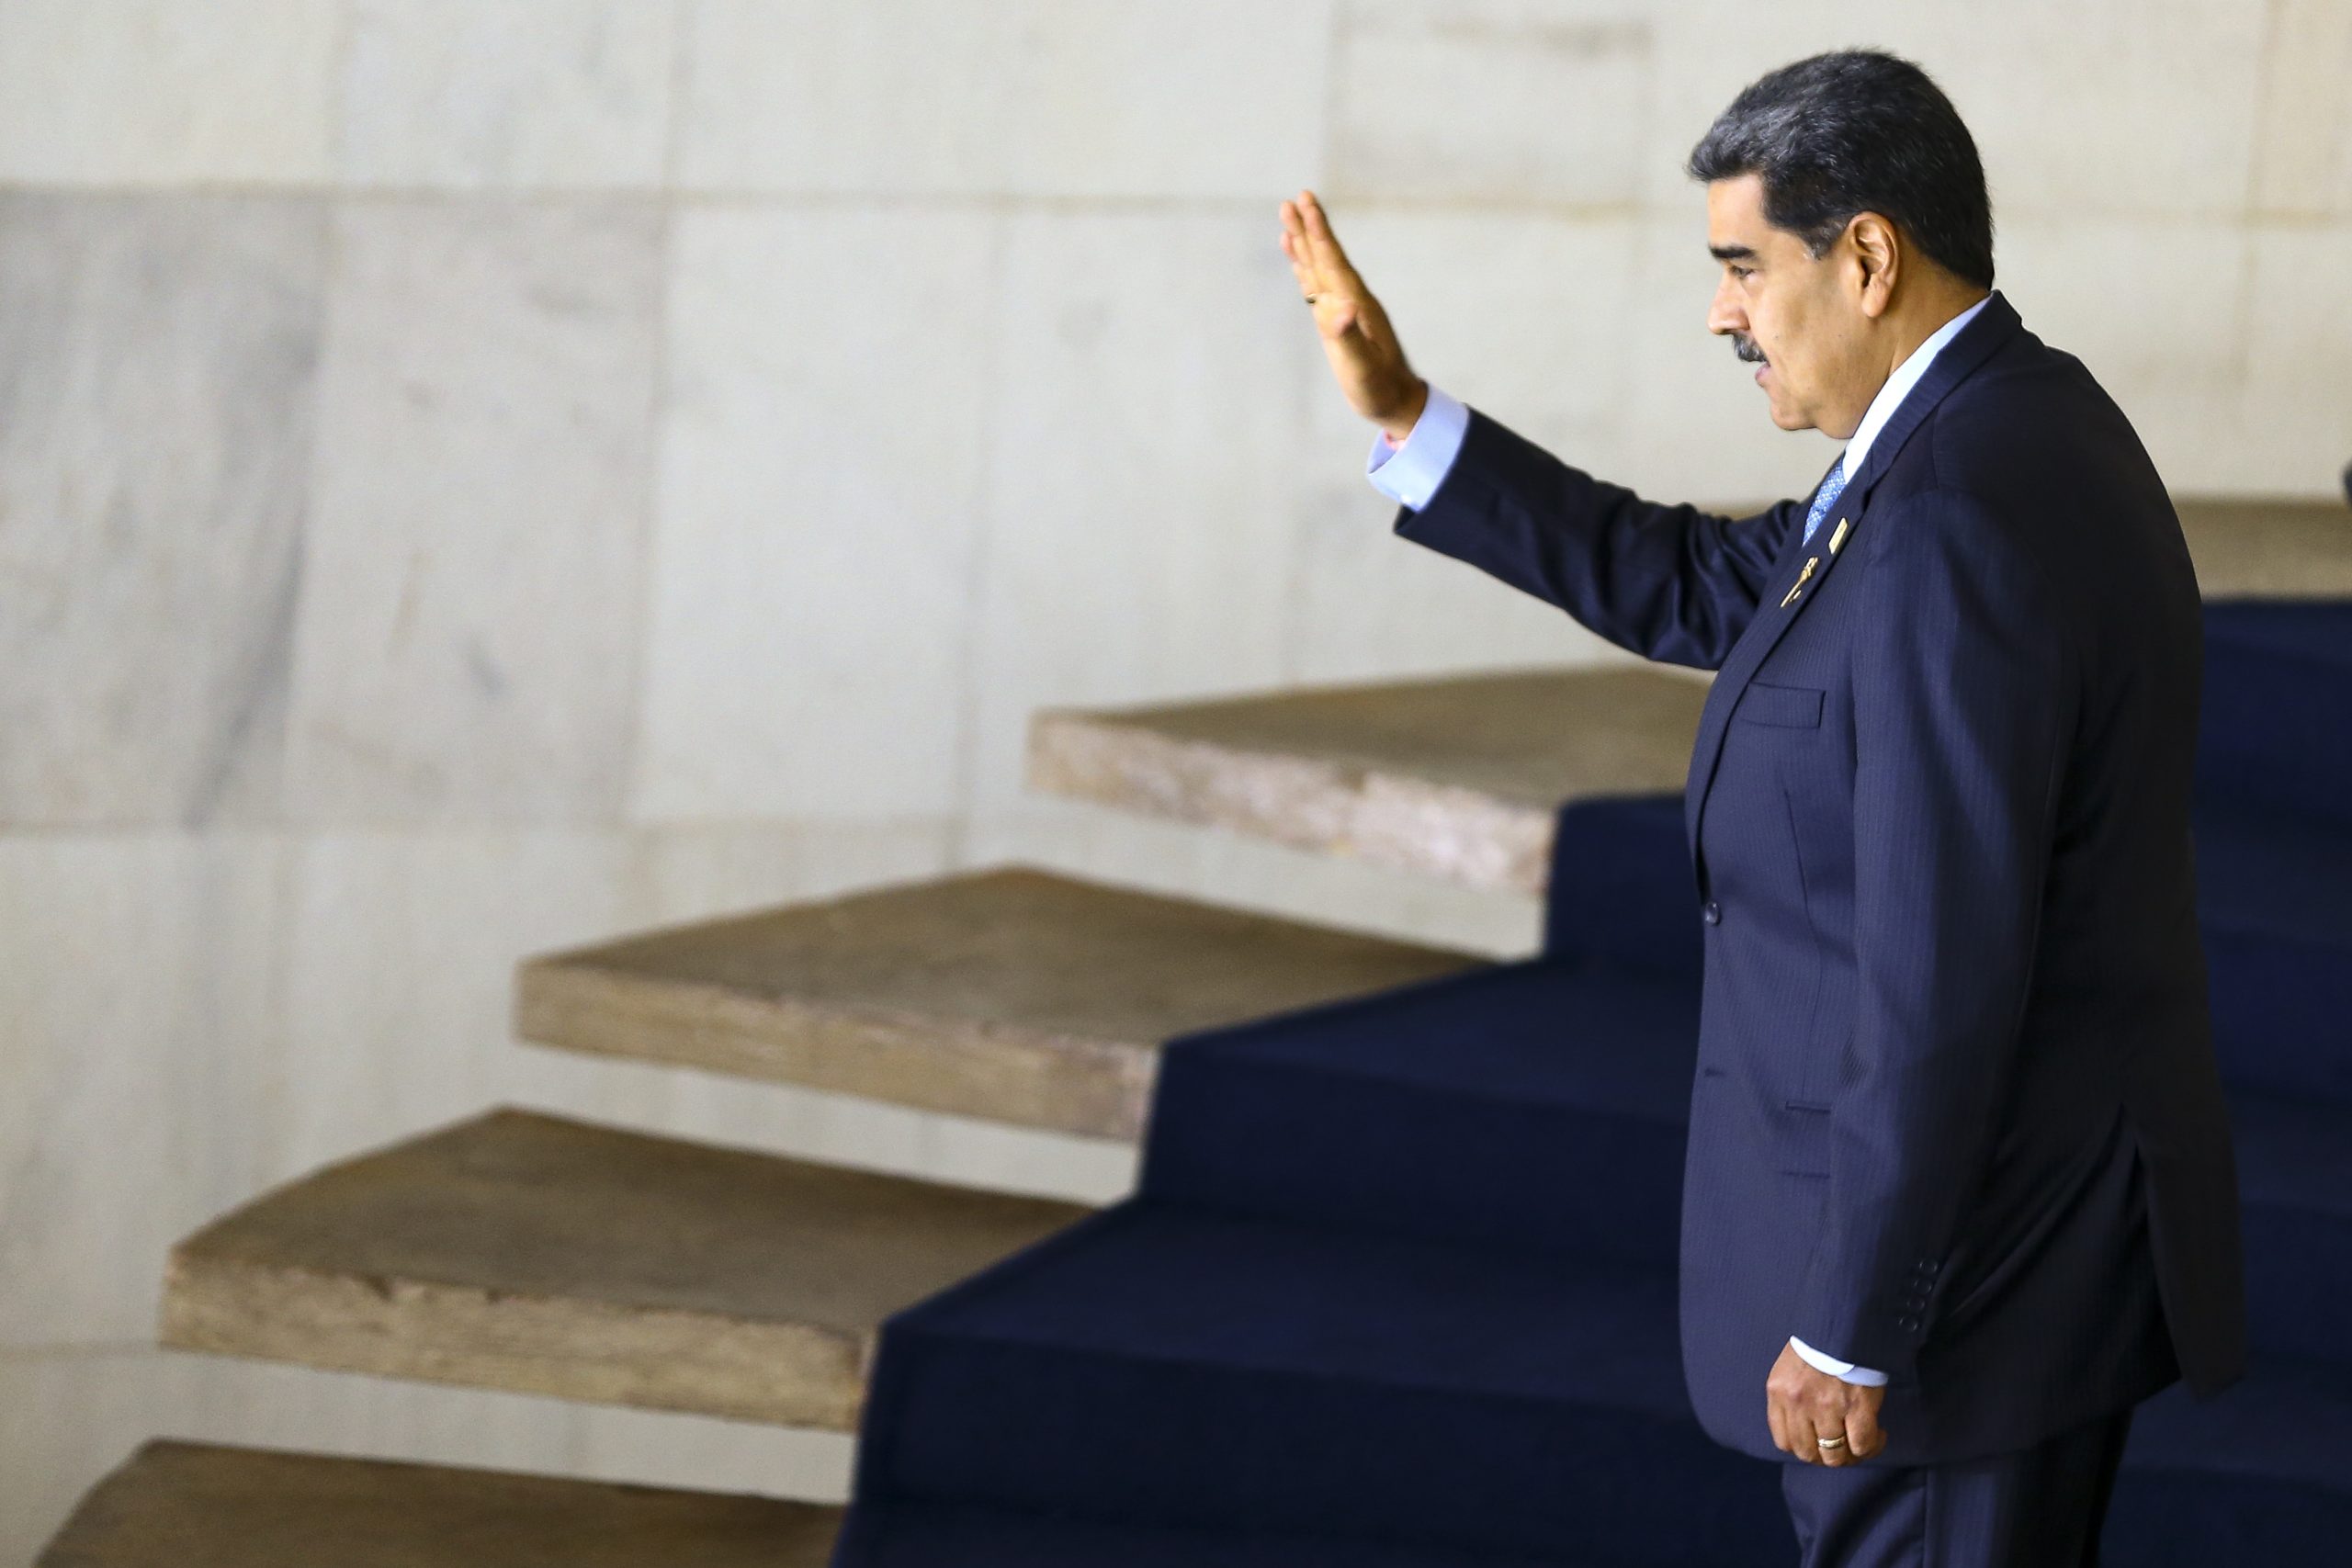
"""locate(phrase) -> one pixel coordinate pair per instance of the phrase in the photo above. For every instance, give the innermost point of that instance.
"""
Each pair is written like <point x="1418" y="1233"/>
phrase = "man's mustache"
<point x="1744" y="347"/>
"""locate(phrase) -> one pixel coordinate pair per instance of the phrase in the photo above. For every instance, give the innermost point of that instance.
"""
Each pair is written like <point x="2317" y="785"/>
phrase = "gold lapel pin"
<point x="1838" y="537"/>
<point x="1810" y="562"/>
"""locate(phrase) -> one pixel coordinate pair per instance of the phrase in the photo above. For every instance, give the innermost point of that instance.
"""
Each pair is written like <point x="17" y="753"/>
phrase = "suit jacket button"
<point x="1911" y="1324"/>
<point x="1712" y="914"/>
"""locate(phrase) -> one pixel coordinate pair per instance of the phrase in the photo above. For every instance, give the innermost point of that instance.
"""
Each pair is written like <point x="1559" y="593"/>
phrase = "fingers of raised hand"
<point x="1330" y="260"/>
<point x="1302" y="261"/>
<point x="1324" y="286"/>
<point x="1336" y="307"/>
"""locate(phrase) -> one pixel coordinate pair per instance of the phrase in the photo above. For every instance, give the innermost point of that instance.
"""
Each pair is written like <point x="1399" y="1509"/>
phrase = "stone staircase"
<point x="1463" y="777"/>
<point x="543" y="1254"/>
<point x="546" y="1255"/>
<point x="175" y="1505"/>
<point x="537" y="1254"/>
<point x="1012" y="994"/>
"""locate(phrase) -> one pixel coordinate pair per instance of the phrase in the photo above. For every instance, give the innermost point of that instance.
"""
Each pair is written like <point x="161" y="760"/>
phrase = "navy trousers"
<point x="2036" y="1507"/>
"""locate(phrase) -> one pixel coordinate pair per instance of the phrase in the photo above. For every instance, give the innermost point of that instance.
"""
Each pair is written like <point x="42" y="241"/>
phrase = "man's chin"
<point x="1774" y="400"/>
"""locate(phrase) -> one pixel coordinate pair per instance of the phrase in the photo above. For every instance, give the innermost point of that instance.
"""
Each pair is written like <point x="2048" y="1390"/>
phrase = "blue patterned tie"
<point x="1831" y="488"/>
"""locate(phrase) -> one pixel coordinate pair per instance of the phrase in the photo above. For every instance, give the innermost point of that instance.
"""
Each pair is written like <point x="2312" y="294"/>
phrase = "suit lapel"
<point x="1796" y="585"/>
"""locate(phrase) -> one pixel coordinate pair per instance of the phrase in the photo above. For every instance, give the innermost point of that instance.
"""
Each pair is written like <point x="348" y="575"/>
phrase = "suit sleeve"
<point x="1672" y="583"/>
<point x="1964" y="689"/>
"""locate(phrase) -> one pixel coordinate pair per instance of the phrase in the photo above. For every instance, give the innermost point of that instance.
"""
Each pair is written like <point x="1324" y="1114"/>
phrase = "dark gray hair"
<point x="1854" y="130"/>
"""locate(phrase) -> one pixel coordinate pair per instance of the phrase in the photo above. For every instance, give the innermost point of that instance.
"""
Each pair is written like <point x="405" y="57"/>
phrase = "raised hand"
<point x="1366" y="359"/>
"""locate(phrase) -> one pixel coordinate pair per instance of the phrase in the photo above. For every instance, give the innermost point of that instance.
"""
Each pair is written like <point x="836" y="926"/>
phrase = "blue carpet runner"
<point x="1396" y="1288"/>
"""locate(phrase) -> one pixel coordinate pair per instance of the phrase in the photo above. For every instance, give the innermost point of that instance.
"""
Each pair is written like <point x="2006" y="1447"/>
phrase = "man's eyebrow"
<point x="1731" y="253"/>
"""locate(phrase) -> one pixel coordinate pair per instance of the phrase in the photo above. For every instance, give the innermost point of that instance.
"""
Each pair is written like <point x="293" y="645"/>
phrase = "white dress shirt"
<point x="1409" y="474"/>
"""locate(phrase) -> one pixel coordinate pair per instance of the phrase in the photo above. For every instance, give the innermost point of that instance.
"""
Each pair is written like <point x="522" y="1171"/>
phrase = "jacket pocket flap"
<point x="1763" y="702"/>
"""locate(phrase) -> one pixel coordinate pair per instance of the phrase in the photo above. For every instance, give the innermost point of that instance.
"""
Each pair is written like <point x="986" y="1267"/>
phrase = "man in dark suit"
<point x="1960" y="1189"/>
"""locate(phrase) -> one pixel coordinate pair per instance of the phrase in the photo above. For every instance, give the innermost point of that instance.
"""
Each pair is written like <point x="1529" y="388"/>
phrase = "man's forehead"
<point x="1735" y="221"/>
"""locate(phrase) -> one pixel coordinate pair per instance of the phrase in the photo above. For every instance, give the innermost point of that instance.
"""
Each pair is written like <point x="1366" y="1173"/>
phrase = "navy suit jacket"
<point x="1956" y="1115"/>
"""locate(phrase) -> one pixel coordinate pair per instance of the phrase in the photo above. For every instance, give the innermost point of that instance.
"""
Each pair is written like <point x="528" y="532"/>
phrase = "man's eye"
<point x="1741" y="271"/>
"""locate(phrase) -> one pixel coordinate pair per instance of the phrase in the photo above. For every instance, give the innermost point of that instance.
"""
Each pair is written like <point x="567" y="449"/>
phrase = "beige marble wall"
<point x="158" y="392"/>
<point x="475" y="476"/>
<point x="811" y="515"/>
<point x="466" y="643"/>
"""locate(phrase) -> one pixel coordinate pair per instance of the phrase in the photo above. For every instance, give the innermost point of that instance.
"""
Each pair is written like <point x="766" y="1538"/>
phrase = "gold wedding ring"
<point x="1837" y="1442"/>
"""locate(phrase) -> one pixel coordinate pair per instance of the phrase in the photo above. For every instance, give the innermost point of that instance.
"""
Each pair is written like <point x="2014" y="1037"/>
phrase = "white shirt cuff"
<point x="1846" y="1371"/>
<point x="1411" y="473"/>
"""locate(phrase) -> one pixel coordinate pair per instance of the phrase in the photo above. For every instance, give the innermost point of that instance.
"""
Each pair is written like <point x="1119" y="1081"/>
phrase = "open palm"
<point x="1366" y="359"/>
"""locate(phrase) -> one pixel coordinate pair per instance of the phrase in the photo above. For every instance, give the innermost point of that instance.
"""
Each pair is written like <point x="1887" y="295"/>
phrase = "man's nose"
<point x="1724" y="314"/>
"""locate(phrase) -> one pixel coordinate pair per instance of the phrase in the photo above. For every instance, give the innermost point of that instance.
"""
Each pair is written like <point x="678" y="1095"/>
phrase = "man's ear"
<point x="1878" y="253"/>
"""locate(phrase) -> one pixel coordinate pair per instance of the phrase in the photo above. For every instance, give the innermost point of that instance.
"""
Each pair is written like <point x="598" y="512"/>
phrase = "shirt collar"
<point x="1907" y="376"/>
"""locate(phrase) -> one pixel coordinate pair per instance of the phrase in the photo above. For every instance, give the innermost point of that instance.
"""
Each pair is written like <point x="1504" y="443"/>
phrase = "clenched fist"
<point x="1365" y="356"/>
<point x="1802" y="1404"/>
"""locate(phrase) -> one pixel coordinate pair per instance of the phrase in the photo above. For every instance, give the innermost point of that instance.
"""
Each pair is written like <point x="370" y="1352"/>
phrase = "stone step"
<point x="1013" y="993"/>
<point x="1461" y="776"/>
<point x="1457" y="776"/>
<point x="540" y="1255"/>
<point x="2286" y="549"/>
<point x="181" y="1504"/>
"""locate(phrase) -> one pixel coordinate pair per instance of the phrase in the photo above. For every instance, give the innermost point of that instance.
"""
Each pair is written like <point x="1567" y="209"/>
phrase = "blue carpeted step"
<point x="2275" y="719"/>
<point x="1539" y="1104"/>
<point x="2262" y="1474"/>
<point x="1164" y="1366"/>
<point x="1621" y="883"/>
<point x="933" y="1535"/>
<point x="2294" y="1159"/>
<point x="2274" y="899"/>
<point x="2274" y="907"/>
<point x="1541" y="1107"/>
<point x="1397" y="1290"/>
